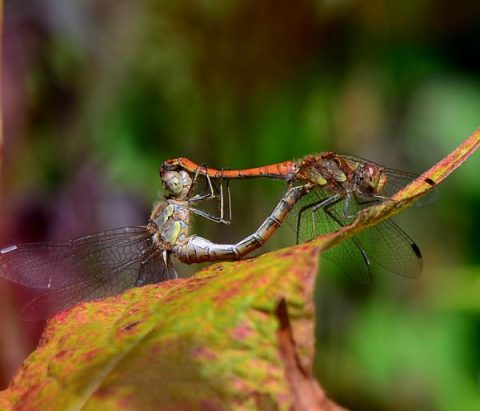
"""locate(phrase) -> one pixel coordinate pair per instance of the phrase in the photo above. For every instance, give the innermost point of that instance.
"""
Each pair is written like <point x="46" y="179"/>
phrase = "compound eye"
<point x="172" y="182"/>
<point x="186" y="179"/>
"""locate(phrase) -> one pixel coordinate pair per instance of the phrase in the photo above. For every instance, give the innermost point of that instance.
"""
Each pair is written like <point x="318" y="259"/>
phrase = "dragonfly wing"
<point x="387" y="246"/>
<point x="150" y="267"/>
<point x="86" y="268"/>
<point x="348" y="256"/>
<point x="396" y="180"/>
<point x="383" y="247"/>
<point x="391" y="249"/>
<point x="60" y="299"/>
<point x="159" y="267"/>
<point x="59" y="265"/>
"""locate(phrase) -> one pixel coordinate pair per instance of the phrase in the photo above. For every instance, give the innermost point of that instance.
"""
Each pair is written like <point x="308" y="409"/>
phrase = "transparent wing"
<point x="152" y="268"/>
<point x="87" y="268"/>
<point x="396" y="180"/>
<point x="157" y="267"/>
<point x="112" y="283"/>
<point x="58" y="265"/>
<point x="384" y="247"/>
<point x="389" y="248"/>
<point x="348" y="256"/>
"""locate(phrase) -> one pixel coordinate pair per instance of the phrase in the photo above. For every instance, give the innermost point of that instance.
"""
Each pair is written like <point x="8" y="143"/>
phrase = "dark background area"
<point x="97" y="94"/>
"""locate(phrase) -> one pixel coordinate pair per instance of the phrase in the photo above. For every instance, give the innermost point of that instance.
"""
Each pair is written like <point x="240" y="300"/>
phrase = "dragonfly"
<point x="341" y="185"/>
<point x="109" y="262"/>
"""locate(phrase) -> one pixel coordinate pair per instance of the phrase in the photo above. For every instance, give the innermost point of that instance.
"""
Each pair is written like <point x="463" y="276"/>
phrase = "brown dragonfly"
<point x="110" y="262"/>
<point x="341" y="186"/>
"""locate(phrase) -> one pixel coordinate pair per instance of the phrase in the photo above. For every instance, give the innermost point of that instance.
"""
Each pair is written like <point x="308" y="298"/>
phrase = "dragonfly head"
<point x="177" y="184"/>
<point x="370" y="179"/>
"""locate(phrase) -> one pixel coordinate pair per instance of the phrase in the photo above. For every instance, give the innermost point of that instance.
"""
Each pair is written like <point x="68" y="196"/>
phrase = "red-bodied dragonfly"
<point x="342" y="185"/>
<point x="109" y="262"/>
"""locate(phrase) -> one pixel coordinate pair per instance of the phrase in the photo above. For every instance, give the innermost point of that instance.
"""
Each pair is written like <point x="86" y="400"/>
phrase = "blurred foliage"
<point x="98" y="93"/>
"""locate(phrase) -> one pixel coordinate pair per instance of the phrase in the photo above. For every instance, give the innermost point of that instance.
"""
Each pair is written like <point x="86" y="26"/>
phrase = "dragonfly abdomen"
<point x="197" y="249"/>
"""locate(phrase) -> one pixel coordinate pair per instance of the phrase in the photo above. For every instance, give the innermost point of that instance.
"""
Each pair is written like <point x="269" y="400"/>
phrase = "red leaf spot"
<point x="241" y="332"/>
<point x="209" y="405"/>
<point x="203" y="353"/>
<point x="89" y="355"/>
<point x="61" y="354"/>
<point x="104" y="392"/>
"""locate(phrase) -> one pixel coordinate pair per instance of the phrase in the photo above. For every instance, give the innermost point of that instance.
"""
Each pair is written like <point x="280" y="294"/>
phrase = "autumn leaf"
<point x="213" y="341"/>
<point x="237" y="335"/>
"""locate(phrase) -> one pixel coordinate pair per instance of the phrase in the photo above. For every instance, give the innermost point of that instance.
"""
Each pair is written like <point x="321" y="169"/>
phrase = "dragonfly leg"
<point x="208" y="216"/>
<point x="229" y="201"/>
<point x="205" y="196"/>
<point x="315" y="206"/>
<point x="221" y="219"/>
<point x="194" y="180"/>
<point x="376" y="199"/>
<point x="197" y="249"/>
<point x="346" y="206"/>
<point x="212" y="194"/>
<point x="357" y="243"/>
<point x="365" y="201"/>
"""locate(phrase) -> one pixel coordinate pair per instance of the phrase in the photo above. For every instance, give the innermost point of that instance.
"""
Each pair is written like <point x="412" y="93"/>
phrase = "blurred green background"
<point x="97" y="94"/>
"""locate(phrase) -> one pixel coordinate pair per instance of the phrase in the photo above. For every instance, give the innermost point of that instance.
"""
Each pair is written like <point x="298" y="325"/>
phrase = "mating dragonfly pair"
<point x="326" y="191"/>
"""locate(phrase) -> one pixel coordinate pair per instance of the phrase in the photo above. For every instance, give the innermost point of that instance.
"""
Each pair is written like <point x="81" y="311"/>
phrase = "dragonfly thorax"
<point x="340" y="173"/>
<point x="322" y="170"/>
<point x="171" y="218"/>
